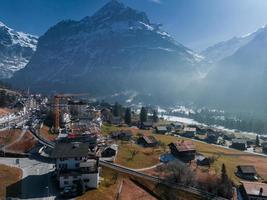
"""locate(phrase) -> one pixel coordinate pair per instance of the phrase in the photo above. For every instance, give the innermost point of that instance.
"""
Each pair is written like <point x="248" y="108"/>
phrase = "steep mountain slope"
<point x="240" y="81"/>
<point x="116" y="49"/>
<point x="227" y="48"/>
<point x="16" y="49"/>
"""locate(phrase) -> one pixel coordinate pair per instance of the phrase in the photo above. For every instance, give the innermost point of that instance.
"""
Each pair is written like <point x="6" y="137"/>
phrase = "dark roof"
<point x="239" y="141"/>
<point x="70" y="150"/>
<point x="149" y="139"/>
<point x="247" y="169"/>
<point x="184" y="146"/>
<point x="148" y="123"/>
<point x="176" y="124"/>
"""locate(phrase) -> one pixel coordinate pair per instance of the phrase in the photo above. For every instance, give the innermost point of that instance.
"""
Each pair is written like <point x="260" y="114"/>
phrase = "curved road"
<point x="137" y="173"/>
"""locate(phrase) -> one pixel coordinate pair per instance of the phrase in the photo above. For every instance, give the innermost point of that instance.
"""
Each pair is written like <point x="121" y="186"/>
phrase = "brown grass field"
<point x="9" y="136"/>
<point x="8" y="176"/>
<point x="109" y="187"/>
<point x="45" y="133"/>
<point x="230" y="157"/>
<point x="24" y="145"/>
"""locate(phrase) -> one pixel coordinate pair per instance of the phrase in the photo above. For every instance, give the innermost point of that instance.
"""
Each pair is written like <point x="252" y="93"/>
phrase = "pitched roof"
<point x="200" y="157"/>
<point x="70" y="150"/>
<point x="247" y="169"/>
<point x="240" y="141"/>
<point x="254" y="188"/>
<point x="147" y="123"/>
<point x="149" y="139"/>
<point x="162" y="128"/>
<point x="190" y="129"/>
<point x="185" y="146"/>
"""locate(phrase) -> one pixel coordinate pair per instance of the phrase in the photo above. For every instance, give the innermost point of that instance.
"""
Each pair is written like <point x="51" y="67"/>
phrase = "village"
<point x="95" y="148"/>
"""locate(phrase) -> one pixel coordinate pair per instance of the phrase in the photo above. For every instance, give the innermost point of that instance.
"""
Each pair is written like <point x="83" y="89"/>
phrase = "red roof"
<point x="253" y="188"/>
<point x="185" y="146"/>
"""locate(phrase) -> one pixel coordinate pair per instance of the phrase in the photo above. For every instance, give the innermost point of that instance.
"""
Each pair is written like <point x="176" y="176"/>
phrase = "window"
<point x="77" y="164"/>
<point x="86" y="180"/>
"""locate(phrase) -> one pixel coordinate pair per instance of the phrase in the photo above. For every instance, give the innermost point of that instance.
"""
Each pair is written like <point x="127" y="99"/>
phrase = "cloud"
<point x="156" y="1"/>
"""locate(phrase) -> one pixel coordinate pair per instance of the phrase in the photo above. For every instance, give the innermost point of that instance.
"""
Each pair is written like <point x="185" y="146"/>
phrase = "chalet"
<point x="189" y="132"/>
<point x="77" y="168"/>
<point x="161" y="129"/>
<point x="146" y="125"/>
<point x="184" y="150"/>
<point x="239" y="144"/>
<point x="264" y="147"/>
<point x="147" y="141"/>
<point x="212" y="138"/>
<point x="110" y="151"/>
<point x="200" y="130"/>
<point x="202" y="160"/>
<point x="247" y="172"/>
<point x="123" y="135"/>
<point x="229" y="137"/>
<point x="251" y="142"/>
<point x="253" y="190"/>
<point x="177" y="126"/>
<point x="263" y="137"/>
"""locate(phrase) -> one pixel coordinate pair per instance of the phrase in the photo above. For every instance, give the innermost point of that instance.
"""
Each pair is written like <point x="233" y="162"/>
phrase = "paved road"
<point x="36" y="181"/>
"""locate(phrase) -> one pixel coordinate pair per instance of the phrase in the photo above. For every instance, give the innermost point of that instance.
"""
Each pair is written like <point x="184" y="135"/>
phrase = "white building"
<point x="76" y="166"/>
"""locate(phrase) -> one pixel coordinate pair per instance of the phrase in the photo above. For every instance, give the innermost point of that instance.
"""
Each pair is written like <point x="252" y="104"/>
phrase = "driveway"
<point x="36" y="182"/>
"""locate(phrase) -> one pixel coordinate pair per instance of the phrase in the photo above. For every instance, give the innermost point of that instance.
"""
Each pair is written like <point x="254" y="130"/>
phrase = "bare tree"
<point x="133" y="153"/>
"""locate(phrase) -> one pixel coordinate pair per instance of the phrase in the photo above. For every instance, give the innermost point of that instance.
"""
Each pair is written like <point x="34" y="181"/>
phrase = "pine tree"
<point x="143" y="115"/>
<point x="116" y="110"/>
<point x="155" y="116"/>
<point x="128" y="117"/>
<point x="224" y="176"/>
<point x="257" y="141"/>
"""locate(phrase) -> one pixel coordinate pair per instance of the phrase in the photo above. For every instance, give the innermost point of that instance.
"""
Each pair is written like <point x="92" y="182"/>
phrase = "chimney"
<point x="261" y="191"/>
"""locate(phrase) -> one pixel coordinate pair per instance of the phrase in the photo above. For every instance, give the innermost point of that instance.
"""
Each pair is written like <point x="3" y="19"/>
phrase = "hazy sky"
<point x="194" y="23"/>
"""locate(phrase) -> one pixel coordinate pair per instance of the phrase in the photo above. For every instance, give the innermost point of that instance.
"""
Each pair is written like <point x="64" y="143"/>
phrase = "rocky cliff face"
<point x="116" y="49"/>
<point x="16" y="49"/>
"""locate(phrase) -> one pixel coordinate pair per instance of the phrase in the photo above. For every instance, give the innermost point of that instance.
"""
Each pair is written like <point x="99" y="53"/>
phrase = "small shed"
<point x="202" y="160"/>
<point x="177" y="125"/>
<point x="246" y="172"/>
<point x="146" y="125"/>
<point x="110" y="151"/>
<point x="161" y="129"/>
<point x="147" y="141"/>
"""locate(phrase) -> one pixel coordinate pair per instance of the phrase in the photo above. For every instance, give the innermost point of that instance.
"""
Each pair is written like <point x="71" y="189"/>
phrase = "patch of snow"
<point x="147" y="26"/>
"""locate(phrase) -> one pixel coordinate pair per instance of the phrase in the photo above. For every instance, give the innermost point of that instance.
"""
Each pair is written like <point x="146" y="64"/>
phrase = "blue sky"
<point x="195" y="23"/>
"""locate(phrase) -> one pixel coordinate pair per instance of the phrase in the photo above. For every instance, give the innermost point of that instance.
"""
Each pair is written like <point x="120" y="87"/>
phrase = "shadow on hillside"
<point x="33" y="186"/>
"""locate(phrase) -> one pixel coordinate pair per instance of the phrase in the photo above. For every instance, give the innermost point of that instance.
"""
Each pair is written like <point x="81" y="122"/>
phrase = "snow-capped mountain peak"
<point x="16" y="48"/>
<point x="114" y="43"/>
<point x="227" y="48"/>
